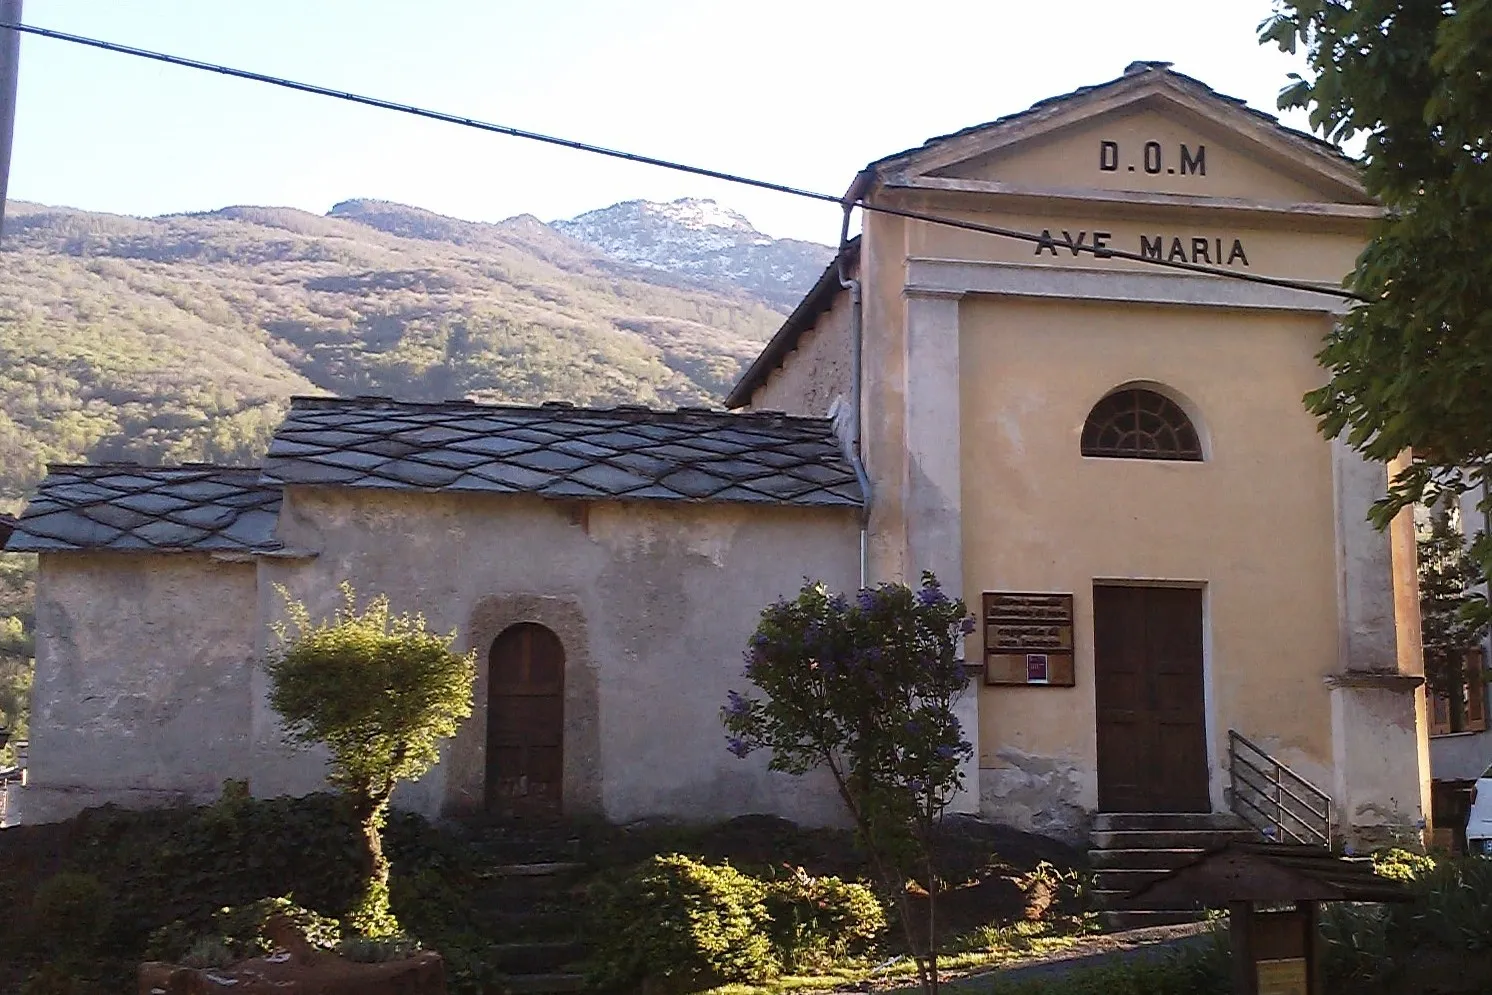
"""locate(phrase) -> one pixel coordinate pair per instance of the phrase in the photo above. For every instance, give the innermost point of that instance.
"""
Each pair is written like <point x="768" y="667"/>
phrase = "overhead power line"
<point x="1040" y="240"/>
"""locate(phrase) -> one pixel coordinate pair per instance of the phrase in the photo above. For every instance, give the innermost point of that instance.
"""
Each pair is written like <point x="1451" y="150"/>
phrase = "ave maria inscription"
<point x="1213" y="251"/>
<point x="1190" y="160"/>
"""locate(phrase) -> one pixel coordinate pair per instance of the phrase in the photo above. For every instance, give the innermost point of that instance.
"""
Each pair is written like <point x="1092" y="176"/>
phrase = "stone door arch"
<point x="525" y="722"/>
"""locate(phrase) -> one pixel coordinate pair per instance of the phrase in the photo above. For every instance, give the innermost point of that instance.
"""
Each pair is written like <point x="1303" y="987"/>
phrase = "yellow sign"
<point x="1282" y="977"/>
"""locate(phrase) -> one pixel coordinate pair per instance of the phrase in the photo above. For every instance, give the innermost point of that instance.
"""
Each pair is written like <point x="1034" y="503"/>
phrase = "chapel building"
<point x="1106" y="456"/>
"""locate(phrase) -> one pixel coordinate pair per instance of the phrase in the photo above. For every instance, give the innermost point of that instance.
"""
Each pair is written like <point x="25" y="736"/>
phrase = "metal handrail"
<point x="1270" y="802"/>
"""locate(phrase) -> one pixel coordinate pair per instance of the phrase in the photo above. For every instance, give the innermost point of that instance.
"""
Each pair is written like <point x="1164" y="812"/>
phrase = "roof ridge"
<point x="562" y="409"/>
<point x="150" y="467"/>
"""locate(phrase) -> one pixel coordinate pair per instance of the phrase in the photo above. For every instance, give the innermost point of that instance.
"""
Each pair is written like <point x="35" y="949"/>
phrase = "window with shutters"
<point x="1135" y="423"/>
<point x="1462" y="705"/>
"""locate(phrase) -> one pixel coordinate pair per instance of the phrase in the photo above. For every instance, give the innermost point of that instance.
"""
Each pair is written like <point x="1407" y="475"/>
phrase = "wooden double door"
<point x="1152" y="724"/>
<point x="525" y="722"/>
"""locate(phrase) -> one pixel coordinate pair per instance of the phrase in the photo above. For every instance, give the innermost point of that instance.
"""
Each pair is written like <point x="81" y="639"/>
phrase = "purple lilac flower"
<point x="967" y="626"/>
<point x="735" y="705"/>
<point x="866" y="599"/>
<point x="738" y="746"/>
<point x="839" y="603"/>
<point x="917" y="784"/>
<point x="913" y="726"/>
<point x="930" y="595"/>
<point x="959" y="673"/>
<point x="760" y="639"/>
<point x="946" y="752"/>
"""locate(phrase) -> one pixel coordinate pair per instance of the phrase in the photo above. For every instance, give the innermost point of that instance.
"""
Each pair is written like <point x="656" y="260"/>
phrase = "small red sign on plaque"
<point x="1037" y="671"/>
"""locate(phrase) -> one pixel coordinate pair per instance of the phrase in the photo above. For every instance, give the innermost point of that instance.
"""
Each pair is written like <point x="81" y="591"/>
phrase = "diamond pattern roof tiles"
<point x="128" y="507"/>
<point x="558" y="450"/>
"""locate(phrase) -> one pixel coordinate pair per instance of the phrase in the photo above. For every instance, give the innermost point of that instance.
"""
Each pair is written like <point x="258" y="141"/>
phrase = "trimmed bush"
<point x="240" y="930"/>
<point x="682" y="925"/>
<point x="815" y="920"/>
<point x="70" y="916"/>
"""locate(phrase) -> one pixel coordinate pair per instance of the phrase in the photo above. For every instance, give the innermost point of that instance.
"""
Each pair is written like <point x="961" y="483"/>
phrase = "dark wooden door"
<point x="1152" y="726"/>
<point x="525" y="722"/>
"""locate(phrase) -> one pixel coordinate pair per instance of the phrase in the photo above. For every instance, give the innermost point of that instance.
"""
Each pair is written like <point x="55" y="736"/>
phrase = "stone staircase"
<point x="531" y="895"/>
<point x="1130" y="849"/>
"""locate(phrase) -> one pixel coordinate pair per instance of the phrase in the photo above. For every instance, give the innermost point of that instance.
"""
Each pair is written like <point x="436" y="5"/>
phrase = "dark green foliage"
<point x="69" y="917"/>
<point x="240" y="930"/>
<point x="377" y="949"/>
<point x="682" y="925"/>
<point x="171" y="872"/>
<point x="1411" y="366"/>
<point x="815" y="921"/>
<point x="17" y="647"/>
<point x="380" y="692"/>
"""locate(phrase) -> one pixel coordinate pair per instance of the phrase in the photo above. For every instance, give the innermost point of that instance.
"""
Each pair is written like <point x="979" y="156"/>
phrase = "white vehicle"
<point x="1479" y="820"/>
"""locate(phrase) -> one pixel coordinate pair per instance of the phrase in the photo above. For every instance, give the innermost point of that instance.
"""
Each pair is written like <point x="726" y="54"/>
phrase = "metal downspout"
<point x="856" y="366"/>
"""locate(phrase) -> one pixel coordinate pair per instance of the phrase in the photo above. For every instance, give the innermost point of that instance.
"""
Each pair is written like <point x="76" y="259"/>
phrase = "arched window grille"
<point x="1136" y="423"/>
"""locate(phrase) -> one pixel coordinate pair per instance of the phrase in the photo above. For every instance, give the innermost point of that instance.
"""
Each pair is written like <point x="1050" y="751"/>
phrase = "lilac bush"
<point x="865" y="689"/>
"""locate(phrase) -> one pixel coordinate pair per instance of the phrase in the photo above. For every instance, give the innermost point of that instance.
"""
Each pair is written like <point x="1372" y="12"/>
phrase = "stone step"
<point x="543" y="984"/>
<point x="536" y="957"/>
<point x="531" y="925"/>
<point x="1125" y="879"/>
<point x="1116" y="921"/>
<point x="548" y="868"/>
<point x="1165" y="821"/>
<point x="1165" y="859"/>
<point x="1173" y="839"/>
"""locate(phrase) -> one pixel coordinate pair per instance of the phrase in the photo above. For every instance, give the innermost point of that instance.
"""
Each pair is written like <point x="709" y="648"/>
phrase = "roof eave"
<point x="813" y="305"/>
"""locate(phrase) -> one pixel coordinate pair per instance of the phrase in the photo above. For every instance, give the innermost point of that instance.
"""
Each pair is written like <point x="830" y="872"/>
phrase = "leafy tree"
<point x="1447" y="604"/>
<point x="380" y="692"/>
<point x="1411" y="366"/>
<point x="865" y="689"/>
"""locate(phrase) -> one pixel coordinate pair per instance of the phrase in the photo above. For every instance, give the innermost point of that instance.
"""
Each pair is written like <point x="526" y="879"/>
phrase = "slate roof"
<point x="1303" y="138"/>
<point x="561" y="451"/>
<point x="124" y="506"/>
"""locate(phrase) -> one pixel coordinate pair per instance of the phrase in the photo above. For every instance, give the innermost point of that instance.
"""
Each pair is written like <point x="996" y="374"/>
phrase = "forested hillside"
<point x="181" y="337"/>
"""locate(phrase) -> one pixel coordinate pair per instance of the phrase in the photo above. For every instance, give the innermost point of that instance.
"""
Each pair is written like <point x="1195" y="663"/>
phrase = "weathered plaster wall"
<point x="653" y="603"/>
<point x="142" y="680"/>
<point x="814" y="373"/>
<point x="1252" y="524"/>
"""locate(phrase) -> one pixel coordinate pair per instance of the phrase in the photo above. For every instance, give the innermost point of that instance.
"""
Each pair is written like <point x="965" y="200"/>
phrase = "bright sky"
<point x="803" y="92"/>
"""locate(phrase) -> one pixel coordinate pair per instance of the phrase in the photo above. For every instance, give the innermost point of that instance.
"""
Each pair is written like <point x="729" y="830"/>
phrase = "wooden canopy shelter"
<point x="1272" y="892"/>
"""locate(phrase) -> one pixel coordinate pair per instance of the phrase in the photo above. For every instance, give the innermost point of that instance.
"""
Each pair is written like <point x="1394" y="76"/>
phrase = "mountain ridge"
<point x="181" y="337"/>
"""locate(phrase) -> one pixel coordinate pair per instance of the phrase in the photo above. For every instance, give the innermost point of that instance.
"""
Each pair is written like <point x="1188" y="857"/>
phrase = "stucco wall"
<point x="142" y="680"/>
<point x="653" y="603"/>
<point x="1252" y="524"/>
<point x="814" y="373"/>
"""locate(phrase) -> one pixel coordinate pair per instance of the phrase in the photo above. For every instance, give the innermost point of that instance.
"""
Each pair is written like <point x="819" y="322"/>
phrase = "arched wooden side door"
<point x="525" y="722"/>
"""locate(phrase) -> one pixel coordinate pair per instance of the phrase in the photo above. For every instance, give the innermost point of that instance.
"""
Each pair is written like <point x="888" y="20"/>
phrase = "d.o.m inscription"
<point x="1152" y="158"/>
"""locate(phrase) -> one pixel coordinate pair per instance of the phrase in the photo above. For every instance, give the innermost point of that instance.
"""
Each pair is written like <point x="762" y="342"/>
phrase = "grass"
<point x="987" y="946"/>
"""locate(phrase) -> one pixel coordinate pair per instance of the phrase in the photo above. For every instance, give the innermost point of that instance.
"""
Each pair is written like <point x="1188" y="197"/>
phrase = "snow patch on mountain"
<point x="703" y="240"/>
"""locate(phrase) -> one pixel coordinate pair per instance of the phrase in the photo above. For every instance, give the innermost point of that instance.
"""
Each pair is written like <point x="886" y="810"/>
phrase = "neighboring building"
<point x="1460" y="741"/>
<point x="1107" y="458"/>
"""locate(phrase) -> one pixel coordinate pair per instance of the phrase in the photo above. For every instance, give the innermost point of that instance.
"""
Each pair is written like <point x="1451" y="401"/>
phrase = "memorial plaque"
<point x="1282" y="977"/>
<point x="1028" y="639"/>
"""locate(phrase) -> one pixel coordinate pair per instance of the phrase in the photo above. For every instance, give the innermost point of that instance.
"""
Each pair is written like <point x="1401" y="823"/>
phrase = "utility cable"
<point x="1041" y="241"/>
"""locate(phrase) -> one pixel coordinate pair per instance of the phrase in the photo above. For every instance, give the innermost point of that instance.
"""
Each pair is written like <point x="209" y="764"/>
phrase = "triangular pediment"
<point x="1153" y="132"/>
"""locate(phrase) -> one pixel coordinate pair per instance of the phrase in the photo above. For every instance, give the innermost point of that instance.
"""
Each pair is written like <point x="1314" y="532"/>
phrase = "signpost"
<point x="1028" y="639"/>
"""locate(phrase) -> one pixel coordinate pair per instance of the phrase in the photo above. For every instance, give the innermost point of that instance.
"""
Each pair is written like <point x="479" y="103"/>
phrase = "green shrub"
<point x="240" y="930"/>
<point x="815" y="920"/>
<point x="682" y="925"/>
<point x="209" y="951"/>
<point x="70" y="915"/>
<point x="1402" y="865"/>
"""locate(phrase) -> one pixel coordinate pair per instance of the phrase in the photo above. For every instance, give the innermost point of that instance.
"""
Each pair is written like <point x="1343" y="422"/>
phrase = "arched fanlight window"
<point x="1136" y="423"/>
